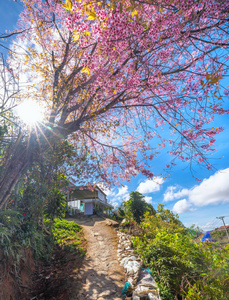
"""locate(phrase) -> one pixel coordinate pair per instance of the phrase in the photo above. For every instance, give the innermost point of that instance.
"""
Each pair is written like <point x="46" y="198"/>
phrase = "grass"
<point x="68" y="235"/>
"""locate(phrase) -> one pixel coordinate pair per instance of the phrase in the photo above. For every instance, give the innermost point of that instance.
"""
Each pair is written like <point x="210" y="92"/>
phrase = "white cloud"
<point x="115" y="204"/>
<point x="211" y="191"/>
<point x="123" y="191"/>
<point x="208" y="226"/>
<point x="171" y="193"/>
<point x="182" y="206"/>
<point x="116" y="198"/>
<point x="148" y="199"/>
<point x="150" y="185"/>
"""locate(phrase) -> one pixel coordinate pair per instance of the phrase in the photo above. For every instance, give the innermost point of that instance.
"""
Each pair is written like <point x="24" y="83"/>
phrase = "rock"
<point x="132" y="267"/>
<point x="146" y="286"/>
<point x="146" y="280"/>
<point x="123" y="222"/>
<point x="112" y="223"/>
<point x="153" y="296"/>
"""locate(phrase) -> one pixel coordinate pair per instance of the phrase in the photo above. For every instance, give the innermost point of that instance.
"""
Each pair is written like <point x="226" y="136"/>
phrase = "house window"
<point x="101" y="196"/>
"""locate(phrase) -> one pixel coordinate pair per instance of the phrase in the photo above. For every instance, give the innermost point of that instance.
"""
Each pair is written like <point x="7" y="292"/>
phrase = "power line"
<point x="222" y="218"/>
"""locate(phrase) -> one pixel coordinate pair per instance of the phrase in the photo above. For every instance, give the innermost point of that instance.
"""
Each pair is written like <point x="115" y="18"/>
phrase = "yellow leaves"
<point x="145" y="25"/>
<point x="114" y="92"/>
<point x="121" y="7"/>
<point x="130" y="8"/>
<point x="134" y="13"/>
<point x="86" y="70"/>
<point x="86" y="33"/>
<point x="208" y="76"/>
<point x="76" y="35"/>
<point x="91" y="15"/>
<point x="214" y="79"/>
<point x="68" y="5"/>
<point x="26" y="59"/>
<point x="211" y="79"/>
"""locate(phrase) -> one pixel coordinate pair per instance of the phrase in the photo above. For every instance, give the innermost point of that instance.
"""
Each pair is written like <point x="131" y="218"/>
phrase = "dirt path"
<point x="101" y="276"/>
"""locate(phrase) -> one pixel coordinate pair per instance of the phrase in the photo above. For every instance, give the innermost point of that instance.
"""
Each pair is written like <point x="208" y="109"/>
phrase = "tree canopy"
<point x="111" y="75"/>
<point x="136" y="207"/>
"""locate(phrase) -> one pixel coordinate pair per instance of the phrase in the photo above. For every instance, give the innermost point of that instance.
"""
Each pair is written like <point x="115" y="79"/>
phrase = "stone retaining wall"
<point x="141" y="282"/>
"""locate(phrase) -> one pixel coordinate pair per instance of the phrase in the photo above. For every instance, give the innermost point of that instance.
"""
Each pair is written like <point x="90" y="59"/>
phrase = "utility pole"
<point x="222" y="218"/>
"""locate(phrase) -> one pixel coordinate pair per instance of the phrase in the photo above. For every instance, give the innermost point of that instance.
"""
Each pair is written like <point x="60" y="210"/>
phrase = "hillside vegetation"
<point x="35" y="262"/>
<point x="183" y="266"/>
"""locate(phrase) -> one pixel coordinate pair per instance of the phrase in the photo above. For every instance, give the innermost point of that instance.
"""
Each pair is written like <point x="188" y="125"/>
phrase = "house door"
<point x="82" y="207"/>
<point x="88" y="210"/>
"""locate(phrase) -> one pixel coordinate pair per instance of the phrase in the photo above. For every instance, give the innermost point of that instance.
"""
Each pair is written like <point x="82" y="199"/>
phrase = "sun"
<point x="30" y="112"/>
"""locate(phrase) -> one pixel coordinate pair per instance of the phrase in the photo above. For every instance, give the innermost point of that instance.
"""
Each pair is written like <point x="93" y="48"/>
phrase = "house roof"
<point x="221" y="228"/>
<point x="84" y="192"/>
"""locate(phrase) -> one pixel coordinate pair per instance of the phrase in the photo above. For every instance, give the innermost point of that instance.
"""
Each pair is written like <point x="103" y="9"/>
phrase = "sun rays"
<point x="30" y="112"/>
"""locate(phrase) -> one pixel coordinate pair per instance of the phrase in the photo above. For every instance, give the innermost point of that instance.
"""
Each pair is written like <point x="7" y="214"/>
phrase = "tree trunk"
<point x="23" y="153"/>
<point x="16" y="164"/>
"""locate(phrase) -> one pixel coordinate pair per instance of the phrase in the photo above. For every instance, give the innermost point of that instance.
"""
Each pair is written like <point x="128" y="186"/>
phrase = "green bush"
<point x="218" y="235"/>
<point x="66" y="234"/>
<point x="180" y="266"/>
<point x="17" y="233"/>
<point x="135" y="207"/>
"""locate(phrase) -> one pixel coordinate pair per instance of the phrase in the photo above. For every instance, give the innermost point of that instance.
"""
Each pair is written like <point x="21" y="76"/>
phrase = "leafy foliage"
<point x="17" y="232"/>
<point x="181" y="266"/>
<point x="135" y="207"/>
<point x="41" y="191"/>
<point x="194" y="231"/>
<point x="67" y="234"/>
<point x="111" y="82"/>
<point x="219" y="234"/>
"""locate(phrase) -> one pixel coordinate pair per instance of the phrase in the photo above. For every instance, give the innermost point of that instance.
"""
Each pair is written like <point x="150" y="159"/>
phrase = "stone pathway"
<point x="101" y="276"/>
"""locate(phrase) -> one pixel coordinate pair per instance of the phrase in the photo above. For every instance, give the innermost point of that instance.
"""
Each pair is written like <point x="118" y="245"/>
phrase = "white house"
<point x="85" y="201"/>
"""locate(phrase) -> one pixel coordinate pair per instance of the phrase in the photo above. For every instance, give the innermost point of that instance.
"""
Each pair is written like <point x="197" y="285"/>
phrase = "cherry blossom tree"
<point x="111" y="75"/>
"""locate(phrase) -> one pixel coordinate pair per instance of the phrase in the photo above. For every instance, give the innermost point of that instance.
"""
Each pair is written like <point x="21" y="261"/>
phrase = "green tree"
<point x="194" y="231"/>
<point x="136" y="207"/>
<point x="40" y="193"/>
<point x="167" y="215"/>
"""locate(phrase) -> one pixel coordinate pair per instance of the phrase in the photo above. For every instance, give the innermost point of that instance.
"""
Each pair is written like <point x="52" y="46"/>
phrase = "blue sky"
<point x="196" y="202"/>
<point x="8" y="18"/>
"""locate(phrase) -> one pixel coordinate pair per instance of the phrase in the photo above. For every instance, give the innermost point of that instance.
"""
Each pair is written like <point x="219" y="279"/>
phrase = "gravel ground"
<point x="101" y="276"/>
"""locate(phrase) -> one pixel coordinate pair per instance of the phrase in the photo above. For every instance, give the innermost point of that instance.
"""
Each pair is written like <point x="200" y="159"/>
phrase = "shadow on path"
<point x="101" y="276"/>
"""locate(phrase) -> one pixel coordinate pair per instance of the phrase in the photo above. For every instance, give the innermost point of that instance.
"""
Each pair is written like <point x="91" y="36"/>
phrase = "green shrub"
<point x="66" y="234"/>
<point x="17" y="233"/>
<point x="218" y="235"/>
<point x="135" y="208"/>
<point x="180" y="266"/>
